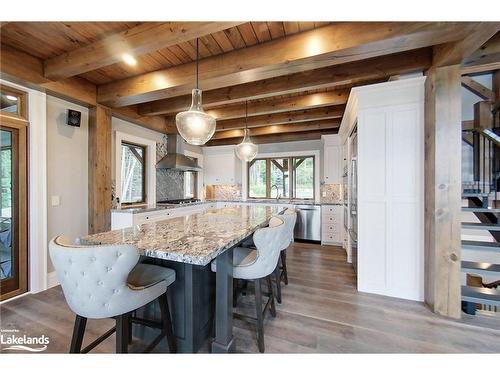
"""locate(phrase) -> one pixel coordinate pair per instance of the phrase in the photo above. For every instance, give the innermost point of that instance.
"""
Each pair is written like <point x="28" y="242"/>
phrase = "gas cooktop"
<point x="178" y="201"/>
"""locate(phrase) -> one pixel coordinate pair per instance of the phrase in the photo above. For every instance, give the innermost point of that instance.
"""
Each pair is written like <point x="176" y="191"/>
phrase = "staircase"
<point x="480" y="222"/>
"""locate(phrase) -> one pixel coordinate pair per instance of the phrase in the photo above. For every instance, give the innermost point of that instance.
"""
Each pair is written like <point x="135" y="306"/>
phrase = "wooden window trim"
<point x="144" y="200"/>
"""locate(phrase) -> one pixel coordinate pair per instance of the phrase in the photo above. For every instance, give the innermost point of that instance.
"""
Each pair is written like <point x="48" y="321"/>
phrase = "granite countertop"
<point x="195" y="238"/>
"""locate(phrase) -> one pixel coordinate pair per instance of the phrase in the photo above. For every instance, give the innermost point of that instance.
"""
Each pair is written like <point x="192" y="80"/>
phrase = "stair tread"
<point x="488" y="296"/>
<point x="485" y="226"/>
<point x="480" y="266"/>
<point x="480" y="209"/>
<point x="480" y="245"/>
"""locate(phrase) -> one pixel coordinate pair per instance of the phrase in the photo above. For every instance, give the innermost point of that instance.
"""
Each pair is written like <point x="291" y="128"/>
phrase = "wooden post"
<point x="443" y="190"/>
<point x="99" y="169"/>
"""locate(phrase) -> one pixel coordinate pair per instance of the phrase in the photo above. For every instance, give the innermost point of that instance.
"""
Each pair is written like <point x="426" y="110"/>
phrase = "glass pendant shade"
<point x="246" y="150"/>
<point x="194" y="125"/>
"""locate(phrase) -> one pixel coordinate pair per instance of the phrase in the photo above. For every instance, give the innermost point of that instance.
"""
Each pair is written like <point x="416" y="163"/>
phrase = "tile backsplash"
<point x="331" y="193"/>
<point x="224" y="192"/>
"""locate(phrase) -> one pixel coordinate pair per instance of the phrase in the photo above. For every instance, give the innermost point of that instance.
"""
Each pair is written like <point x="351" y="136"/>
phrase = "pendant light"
<point x="194" y="125"/>
<point x="246" y="150"/>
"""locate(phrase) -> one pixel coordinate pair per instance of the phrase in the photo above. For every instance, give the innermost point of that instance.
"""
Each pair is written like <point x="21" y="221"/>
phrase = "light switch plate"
<point x="323" y="194"/>
<point x="55" y="200"/>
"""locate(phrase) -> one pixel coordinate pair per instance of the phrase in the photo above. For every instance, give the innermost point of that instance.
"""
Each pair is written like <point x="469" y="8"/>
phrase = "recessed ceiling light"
<point x="129" y="59"/>
<point x="11" y="97"/>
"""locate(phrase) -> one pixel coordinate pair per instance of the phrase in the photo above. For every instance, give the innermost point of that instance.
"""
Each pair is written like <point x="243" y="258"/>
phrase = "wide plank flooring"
<point x="322" y="312"/>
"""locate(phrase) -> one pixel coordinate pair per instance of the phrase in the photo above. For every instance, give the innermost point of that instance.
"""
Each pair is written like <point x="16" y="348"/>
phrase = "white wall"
<point x="67" y="171"/>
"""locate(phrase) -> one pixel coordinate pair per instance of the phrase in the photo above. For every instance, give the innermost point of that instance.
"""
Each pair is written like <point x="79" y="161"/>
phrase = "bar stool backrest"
<point x="94" y="278"/>
<point x="268" y="242"/>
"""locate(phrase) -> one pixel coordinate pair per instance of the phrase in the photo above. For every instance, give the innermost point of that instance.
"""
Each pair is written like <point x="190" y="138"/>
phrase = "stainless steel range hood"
<point x="175" y="158"/>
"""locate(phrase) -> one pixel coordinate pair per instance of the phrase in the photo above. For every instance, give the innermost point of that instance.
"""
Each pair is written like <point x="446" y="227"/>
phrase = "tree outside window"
<point x="133" y="174"/>
<point x="290" y="177"/>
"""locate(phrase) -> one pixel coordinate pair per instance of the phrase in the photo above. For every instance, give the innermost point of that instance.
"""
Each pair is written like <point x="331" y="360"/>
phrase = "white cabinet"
<point x="390" y="189"/>
<point x="332" y="159"/>
<point x="221" y="167"/>
<point x="331" y="224"/>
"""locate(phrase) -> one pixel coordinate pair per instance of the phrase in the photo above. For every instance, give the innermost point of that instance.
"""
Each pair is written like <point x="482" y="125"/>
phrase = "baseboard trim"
<point x="52" y="280"/>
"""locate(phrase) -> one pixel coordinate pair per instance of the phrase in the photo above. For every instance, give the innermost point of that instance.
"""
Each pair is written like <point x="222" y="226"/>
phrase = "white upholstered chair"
<point x="257" y="264"/>
<point x="107" y="282"/>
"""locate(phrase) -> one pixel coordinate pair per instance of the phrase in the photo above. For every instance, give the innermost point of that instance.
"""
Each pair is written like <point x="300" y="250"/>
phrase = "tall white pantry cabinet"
<point x="390" y="166"/>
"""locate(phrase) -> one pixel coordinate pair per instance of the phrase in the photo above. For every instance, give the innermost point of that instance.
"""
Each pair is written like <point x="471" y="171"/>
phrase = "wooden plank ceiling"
<point x="296" y="76"/>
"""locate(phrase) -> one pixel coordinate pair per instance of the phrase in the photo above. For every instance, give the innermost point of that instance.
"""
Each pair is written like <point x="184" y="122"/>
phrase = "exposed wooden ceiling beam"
<point x="332" y="76"/>
<point x="478" y="89"/>
<point x="457" y="51"/>
<point x="280" y="129"/>
<point x="277" y="138"/>
<point x="142" y="39"/>
<point x="329" y="45"/>
<point x="485" y="59"/>
<point x="322" y="113"/>
<point x="277" y="105"/>
<point x="22" y="68"/>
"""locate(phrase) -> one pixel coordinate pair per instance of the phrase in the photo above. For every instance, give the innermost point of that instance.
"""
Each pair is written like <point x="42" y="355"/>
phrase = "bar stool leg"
<point x="167" y="323"/>
<point x="277" y="275"/>
<point x="122" y="328"/>
<point x="283" y="264"/>
<point x="78" y="332"/>
<point x="260" y="317"/>
<point x="271" y="296"/>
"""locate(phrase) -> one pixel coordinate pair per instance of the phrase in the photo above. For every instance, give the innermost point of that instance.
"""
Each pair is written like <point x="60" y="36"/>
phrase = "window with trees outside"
<point x="290" y="177"/>
<point x="133" y="174"/>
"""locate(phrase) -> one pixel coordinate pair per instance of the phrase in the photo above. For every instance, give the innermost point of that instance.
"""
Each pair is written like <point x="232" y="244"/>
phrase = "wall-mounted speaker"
<point x="74" y="117"/>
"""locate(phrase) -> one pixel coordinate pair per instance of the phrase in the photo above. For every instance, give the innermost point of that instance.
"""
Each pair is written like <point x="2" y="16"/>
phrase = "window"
<point x="13" y="102"/>
<point x="291" y="177"/>
<point x="303" y="178"/>
<point x="133" y="173"/>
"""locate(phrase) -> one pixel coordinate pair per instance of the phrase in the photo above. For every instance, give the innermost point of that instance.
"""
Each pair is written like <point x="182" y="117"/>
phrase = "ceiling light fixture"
<point x="129" y="59"/>
<point x="194" y="125"/>
<point x="11" y="98"/>
<point x="246" y="150"/>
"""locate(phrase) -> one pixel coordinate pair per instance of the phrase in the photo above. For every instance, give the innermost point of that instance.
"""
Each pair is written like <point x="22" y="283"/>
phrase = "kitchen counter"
<point x="196" y="238"/>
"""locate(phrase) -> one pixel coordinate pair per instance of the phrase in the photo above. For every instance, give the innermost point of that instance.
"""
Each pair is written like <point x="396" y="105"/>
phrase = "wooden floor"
<point x="321" y="313"/>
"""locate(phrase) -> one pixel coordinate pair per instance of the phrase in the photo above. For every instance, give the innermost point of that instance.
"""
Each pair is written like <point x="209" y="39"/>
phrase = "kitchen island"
<point x="188" y="244"/>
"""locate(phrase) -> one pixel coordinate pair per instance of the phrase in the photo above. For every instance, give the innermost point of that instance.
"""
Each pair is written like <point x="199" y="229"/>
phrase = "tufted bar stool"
<point x="281" y="273"/>
<point x="107" y="282"/>
<point x="258" y="264"/>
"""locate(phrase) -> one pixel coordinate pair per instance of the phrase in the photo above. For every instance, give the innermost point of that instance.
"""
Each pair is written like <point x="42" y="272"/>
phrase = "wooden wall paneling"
<point x="340" y="43"/>
<point x="480" y="90"/>
<point x="137" y="41"/>
<point x="99" y="169"/>
<point x="276" y="138"/>
<point x="268" y="106"/>
<point x="443" y="177"/>
<point x="457" y="51"/>
<point x="345" y="74"/>
<point x="281" y="129"/>
<point x="27" y="70"/>
<point x="322" y="113"/>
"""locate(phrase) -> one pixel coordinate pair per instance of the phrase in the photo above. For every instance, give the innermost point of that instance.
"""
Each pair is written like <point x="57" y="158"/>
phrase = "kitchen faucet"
<point x="278" y="196"/>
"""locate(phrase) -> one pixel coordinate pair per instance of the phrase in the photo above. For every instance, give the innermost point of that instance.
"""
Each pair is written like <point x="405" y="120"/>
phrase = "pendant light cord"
<point x="246" y="114"/>
<point x="197" y="62"/>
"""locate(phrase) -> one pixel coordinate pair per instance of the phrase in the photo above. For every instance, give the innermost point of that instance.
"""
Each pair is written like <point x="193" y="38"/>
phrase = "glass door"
<point x="13" y="207"/>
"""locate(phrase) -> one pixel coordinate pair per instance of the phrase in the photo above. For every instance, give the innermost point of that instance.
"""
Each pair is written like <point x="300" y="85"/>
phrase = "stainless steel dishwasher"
<point x="308" y="226"/>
